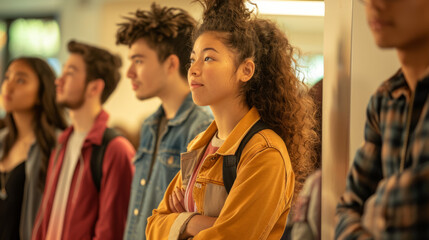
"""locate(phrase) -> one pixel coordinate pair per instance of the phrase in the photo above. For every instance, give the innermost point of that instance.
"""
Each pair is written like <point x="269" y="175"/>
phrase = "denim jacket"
<point x="146" y="193"/>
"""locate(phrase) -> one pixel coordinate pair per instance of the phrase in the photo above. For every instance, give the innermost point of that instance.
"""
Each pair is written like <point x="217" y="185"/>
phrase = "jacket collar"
<point x="95" y="135"/>
<point x="230" y="146"/>
<point x="182" y="114"/>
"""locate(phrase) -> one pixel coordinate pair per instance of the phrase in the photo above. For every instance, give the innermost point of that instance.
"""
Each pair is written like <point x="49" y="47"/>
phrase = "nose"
<point x="6" y="87"/>
<point x="376" y="4"/>
<point x="59" y="80"/>
<point x="131" y="73"/>
<point x="194" y="69"/>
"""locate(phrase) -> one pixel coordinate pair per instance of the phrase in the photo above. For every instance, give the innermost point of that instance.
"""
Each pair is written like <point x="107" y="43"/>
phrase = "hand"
<point x="197" y="224"/>
<point x="176" y="200"/>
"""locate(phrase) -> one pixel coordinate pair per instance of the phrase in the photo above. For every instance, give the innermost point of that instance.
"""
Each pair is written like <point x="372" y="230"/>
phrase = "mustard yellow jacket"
<point x="259" y="201"/>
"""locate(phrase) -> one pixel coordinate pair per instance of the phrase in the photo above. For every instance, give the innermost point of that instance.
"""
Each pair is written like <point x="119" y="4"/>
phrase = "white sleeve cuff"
<point x="179" y="225"/>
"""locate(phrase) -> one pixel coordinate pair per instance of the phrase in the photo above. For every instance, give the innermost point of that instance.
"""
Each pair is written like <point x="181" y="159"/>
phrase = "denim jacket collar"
<point x="181" y="115"/>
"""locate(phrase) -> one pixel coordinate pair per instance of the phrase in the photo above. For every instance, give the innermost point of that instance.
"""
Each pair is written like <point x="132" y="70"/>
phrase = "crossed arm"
<point x="197" y="223"/>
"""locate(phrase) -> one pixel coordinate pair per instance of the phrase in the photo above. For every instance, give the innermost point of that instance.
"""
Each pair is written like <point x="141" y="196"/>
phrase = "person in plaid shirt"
<point x="387" y="191"/>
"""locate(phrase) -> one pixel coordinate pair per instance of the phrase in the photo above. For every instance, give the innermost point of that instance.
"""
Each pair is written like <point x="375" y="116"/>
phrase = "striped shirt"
<point x="387" y="190"/>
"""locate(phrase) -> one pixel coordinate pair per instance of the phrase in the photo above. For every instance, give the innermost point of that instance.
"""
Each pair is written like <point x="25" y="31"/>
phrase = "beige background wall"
<point x="94" y="21"/>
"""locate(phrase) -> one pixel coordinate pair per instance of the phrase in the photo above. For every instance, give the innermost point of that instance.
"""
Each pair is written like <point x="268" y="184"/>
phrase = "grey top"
<point x="32" y="193"/>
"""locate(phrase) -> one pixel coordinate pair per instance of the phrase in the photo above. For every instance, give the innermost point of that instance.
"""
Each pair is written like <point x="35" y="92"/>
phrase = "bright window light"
<point x="294" y="8"/>
<point x="34" y="37"/>
<point x="310" y="68"/>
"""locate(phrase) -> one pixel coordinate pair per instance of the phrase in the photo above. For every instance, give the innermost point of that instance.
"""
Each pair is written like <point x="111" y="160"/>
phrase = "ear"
<point x="246" y="70"/>
<point x="172" y="63"/>
<point x="95" y="87"/>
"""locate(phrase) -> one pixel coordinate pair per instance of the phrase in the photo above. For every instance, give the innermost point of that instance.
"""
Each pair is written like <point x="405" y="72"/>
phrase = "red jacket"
<point x="90" y="214"/>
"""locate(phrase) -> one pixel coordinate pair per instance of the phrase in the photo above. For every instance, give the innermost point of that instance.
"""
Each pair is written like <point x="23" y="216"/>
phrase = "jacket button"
<point x="143" y="182"/>
<point x="136" y="212"/>
<point x="170" y="160"/>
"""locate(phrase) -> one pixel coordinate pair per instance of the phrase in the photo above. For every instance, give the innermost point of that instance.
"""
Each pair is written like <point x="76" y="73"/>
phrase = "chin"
<point x="198" y="101"/>
<point x="8" y="109"/>
<point x="384" y="42"/>
<point x="60" y="102"/>
<point x="71" y="105"/>
<point x="142" y="97"/>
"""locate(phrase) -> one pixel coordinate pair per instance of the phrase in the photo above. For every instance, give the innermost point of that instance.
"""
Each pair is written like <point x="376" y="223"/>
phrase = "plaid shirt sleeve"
<point x="362" y="179"/>
<point x="398" y="209"/>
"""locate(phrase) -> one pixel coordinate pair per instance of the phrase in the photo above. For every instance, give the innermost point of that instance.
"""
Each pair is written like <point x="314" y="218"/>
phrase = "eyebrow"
<point x="73" y="67"/>
<point x="18" y="73"/>
<point x="137" y="56"/>
<point x="207" y="49"/>
<point x="22" y="74"/>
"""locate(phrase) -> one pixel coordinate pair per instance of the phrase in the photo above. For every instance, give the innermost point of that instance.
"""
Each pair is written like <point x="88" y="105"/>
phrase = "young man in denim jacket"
<point x="159" y="43"/>
<point x="387" y="193"/>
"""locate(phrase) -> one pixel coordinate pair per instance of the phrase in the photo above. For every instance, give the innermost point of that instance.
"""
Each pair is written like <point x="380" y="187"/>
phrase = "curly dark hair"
<point x="100" y="64"/>
<point x="48" y="116"/>
<point x="280" y="97"/>
<point x="166" y="30"/>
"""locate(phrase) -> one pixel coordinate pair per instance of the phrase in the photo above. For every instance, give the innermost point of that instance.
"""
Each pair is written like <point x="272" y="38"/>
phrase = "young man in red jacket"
<point x="73" y="206"/>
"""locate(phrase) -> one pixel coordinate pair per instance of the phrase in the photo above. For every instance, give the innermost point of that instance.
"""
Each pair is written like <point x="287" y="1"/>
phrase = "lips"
<point x="135" y="85"/>
<point x="7" y="98"/>
<point x="195" y="84"/>
<point x="378" y="24"/>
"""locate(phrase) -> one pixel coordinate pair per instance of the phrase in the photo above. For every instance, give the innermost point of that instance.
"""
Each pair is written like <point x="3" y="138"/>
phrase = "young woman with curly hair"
<point x="160" y="41"/>
<point x="26" y="142"/>
<point x="243" y="68"/>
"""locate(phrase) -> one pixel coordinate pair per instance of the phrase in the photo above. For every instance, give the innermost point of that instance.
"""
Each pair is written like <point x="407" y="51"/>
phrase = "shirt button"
<point x="136" y="212"/>
<point x="143" y="182"/>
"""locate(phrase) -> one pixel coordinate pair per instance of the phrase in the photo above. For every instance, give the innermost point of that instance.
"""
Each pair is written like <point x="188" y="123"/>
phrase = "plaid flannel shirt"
<point x="387" y="190"/>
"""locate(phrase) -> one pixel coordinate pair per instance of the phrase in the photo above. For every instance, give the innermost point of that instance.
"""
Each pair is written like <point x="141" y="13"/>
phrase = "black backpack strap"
<point x="97" y="156"/>
<point x="230" y="162"/>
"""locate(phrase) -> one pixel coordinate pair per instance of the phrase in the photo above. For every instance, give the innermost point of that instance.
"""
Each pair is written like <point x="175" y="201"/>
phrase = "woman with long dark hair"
<point x="26" y="142"/>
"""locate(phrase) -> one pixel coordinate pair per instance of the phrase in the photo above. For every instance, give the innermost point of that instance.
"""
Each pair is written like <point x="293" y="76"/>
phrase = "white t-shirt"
<point x="71" y="158"/>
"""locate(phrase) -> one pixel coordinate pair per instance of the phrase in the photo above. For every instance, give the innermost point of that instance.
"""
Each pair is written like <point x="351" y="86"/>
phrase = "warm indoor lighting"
<point x="296" y="8"/>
